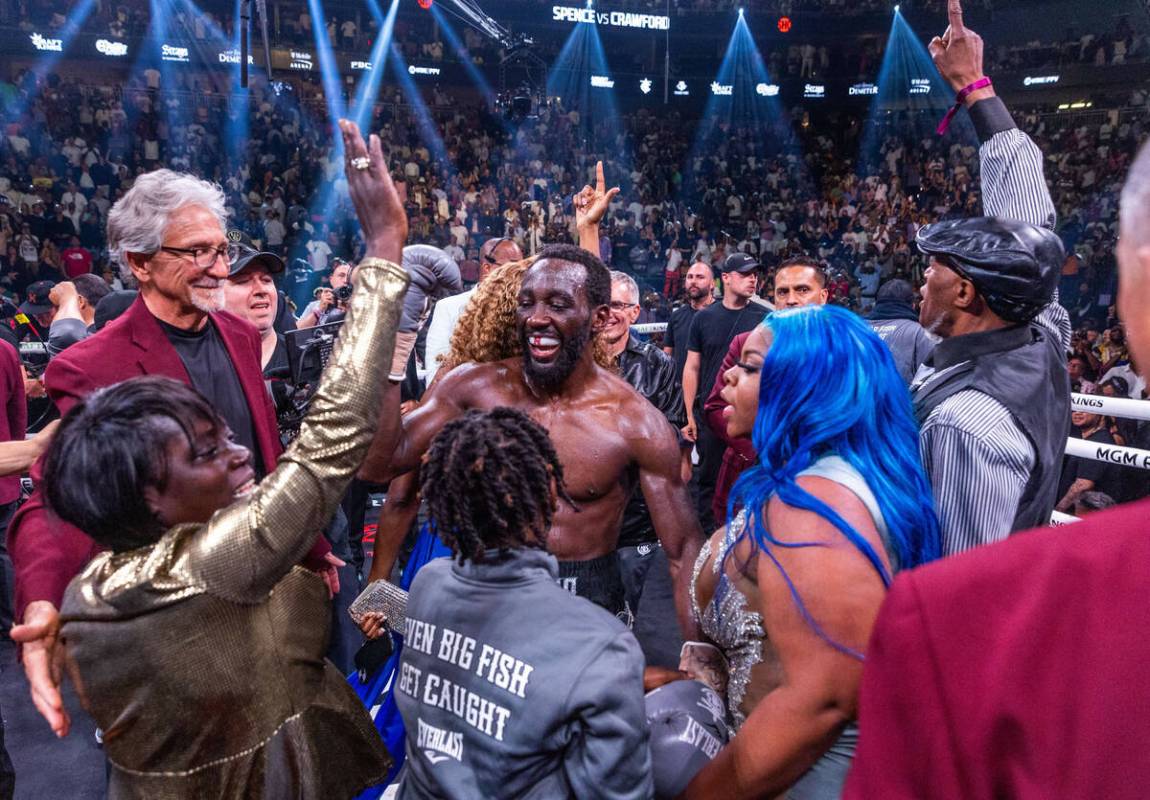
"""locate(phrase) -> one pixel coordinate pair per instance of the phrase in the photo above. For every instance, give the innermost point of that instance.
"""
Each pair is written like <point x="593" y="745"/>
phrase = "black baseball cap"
<point x="37" y="302"/>
<point x="242" y="253"/>
<point x="739" y="262"/>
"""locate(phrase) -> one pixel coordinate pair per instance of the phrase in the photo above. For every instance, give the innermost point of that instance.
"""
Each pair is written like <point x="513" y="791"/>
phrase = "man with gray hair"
<point x="646" y="572"/>
<point x="168" y="233"/>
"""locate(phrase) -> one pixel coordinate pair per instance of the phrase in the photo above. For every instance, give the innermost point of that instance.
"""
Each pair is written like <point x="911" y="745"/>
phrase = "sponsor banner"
<point x="1041" y="80"/>
<point x="107" y="47"/>
<point x="174" y="53"/>
<point x="46" y="45"/>
<point x="616" y="19"/>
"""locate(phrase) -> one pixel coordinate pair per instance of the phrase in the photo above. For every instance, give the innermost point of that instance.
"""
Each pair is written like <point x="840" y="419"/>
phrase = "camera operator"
<point x="330" y="301"/>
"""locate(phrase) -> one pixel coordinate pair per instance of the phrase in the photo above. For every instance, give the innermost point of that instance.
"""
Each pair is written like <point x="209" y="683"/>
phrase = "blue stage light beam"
<point x="328" y="70"/>
<point x="238" y="126"/>
<point x="583" y="81"/>
<point x="368" y="89"/>
<point x="912" y="97"/>
<point x="44" y="64"/>
<point x="428" y="132"/>
<point x="743" y="105"/>
<point x="464" y="57"/>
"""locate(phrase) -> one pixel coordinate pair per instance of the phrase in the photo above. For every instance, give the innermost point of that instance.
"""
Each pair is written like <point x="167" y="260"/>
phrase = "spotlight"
<point x="740" y="11"/>
<point x="589" y="3"/>
<point x="896" y="8"/>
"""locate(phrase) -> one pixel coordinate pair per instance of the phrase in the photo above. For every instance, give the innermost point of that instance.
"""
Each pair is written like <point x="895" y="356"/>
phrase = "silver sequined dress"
<point x="737" y="630"/>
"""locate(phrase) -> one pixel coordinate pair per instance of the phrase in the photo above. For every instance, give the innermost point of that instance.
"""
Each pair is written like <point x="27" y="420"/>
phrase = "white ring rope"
<point x="1112" y="406"/>
<point x="1110" y="453"/>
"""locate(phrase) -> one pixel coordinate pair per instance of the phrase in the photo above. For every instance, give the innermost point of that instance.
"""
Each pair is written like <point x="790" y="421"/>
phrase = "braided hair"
<point x="488" y="479"/>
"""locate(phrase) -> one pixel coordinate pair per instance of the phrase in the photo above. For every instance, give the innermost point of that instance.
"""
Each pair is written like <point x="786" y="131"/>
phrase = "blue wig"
<point x="829" y="386"/>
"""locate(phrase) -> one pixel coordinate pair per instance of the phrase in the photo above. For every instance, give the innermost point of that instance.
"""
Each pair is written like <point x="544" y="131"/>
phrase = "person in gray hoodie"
<point x="896" y="323"/>
<point x="509" y="685"/>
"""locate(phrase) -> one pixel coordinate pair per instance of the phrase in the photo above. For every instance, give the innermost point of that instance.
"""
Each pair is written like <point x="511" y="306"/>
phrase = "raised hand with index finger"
<point x="958" y="55"/>
<point x="592" y="203"/>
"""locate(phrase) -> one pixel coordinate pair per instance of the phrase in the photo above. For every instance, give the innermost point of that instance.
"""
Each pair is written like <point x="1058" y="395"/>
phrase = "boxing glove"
<point x="434" y="274"/>
<point x="688" y="727"/>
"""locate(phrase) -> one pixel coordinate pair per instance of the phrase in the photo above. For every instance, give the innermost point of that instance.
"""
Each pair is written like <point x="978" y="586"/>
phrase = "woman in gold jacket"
<point x="196" y="642"/>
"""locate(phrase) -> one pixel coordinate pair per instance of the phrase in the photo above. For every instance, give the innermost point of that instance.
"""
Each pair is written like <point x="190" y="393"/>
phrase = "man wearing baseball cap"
<point x="712" y="331"/>
<point x="250" y="293"/>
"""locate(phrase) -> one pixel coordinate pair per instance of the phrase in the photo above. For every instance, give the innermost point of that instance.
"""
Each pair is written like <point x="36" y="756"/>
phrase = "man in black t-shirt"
<point x="1081" y="475"/>
<point x="699" y="287"/>
<point x="711" y="333"/>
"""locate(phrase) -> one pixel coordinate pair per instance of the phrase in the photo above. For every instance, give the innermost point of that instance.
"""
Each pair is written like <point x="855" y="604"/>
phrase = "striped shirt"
<point x="976" y="455"/>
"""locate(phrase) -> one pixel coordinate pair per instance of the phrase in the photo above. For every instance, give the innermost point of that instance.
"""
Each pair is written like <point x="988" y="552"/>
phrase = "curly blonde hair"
<point x="486" y="330"/>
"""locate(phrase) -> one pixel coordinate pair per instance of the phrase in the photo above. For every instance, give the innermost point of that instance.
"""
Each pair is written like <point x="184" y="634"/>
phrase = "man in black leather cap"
<point x="993" y="398"/>
<point x="646" y="573"/>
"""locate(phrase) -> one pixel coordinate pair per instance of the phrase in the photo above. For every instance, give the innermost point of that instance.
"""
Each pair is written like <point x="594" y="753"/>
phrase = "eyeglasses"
<point x="619" y="305"/>
<point x="206" y="257"/>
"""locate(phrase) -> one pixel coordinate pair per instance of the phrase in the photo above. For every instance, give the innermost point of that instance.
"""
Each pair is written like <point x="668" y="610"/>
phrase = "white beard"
<point x="208" y="300"/>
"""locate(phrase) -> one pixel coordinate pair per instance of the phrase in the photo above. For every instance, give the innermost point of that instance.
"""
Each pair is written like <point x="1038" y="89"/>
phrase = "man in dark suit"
<point x="1019" y="669"/>
<point x="169" y="232"/>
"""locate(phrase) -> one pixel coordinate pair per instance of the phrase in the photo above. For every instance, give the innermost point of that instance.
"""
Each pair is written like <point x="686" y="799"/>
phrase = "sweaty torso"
<point x="594" y="432"/>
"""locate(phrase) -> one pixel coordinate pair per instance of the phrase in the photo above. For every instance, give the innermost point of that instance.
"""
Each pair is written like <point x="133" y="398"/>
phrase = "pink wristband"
<point x="966" y="92"/>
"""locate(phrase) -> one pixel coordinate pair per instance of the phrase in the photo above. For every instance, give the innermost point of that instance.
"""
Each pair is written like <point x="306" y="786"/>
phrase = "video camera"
<point x="308" y="351"/>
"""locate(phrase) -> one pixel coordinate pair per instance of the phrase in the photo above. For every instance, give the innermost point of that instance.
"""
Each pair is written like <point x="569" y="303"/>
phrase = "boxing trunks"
<point x="599" y="580"/>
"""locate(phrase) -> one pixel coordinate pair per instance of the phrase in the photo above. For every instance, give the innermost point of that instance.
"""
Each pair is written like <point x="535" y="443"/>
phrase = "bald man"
<point x="494" y="253"/>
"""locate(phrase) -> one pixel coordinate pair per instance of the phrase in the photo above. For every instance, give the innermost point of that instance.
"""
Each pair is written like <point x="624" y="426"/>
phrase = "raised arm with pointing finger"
<point x="993" y="398"/>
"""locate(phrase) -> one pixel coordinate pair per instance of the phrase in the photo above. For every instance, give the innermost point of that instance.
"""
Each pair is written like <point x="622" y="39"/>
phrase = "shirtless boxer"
<point x="606" y="434"/>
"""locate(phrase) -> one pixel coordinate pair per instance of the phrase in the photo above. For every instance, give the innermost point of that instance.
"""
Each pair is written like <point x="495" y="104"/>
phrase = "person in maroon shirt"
<point x="77" y="260"/>
<point x="1019" y="669"/>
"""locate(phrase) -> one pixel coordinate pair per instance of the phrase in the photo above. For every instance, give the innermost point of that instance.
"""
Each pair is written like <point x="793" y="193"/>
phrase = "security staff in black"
<point x="994" y="396"/>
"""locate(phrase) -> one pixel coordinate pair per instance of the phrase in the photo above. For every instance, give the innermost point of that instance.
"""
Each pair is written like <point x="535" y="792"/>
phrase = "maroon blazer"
<point x="740" y="452"/>
<point x="14" y="416"/>
<point x="1014" y="670"/>
<point x="47" y="552"/>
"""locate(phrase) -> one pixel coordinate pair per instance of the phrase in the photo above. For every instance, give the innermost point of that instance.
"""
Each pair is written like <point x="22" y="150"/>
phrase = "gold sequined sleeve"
<point x="248" y="547"/>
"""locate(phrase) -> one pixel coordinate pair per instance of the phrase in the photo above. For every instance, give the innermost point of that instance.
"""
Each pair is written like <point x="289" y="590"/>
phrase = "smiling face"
<point x="251" y="295"/>
<point x="555" y="321"/>
<point x="624" y="312"/>
<point x="1084" y="421"/>
<point x="203" y="476"/>
<point x="172" y="283"/>
<point x="741" y="383"/>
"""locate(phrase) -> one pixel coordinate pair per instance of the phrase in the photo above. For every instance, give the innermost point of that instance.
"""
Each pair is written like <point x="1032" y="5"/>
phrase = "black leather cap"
<point x="1015" y="266"/>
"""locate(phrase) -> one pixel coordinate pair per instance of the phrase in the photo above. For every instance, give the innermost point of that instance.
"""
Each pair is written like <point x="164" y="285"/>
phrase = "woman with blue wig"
<point x="788" y="591"/>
